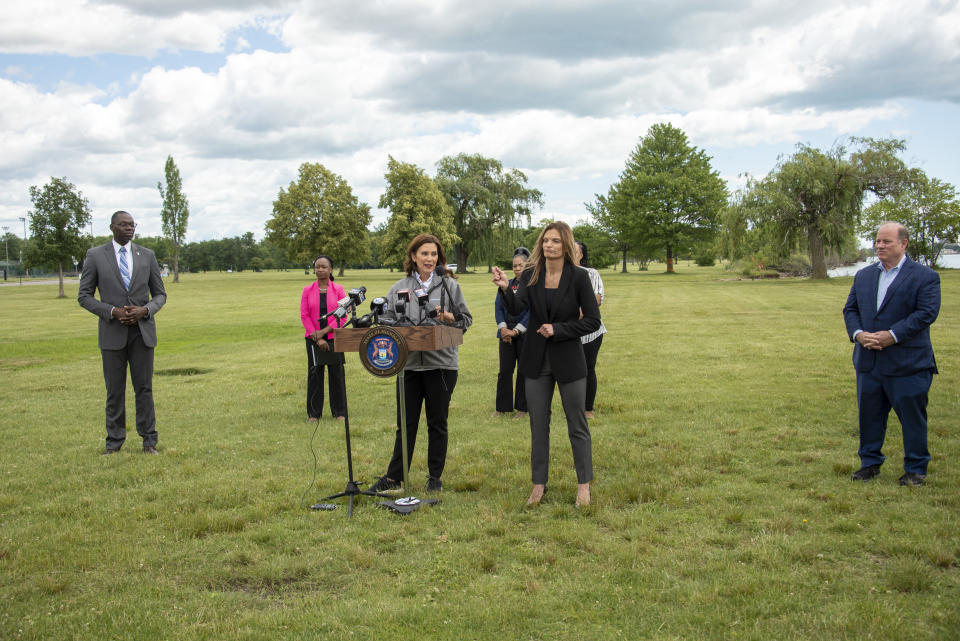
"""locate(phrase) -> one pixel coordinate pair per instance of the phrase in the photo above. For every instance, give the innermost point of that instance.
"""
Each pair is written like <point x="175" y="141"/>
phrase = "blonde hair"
<point x="538" y="262"/>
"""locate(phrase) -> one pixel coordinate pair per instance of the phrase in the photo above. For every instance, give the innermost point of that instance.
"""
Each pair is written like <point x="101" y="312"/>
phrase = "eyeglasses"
<point x="130" y="225"/>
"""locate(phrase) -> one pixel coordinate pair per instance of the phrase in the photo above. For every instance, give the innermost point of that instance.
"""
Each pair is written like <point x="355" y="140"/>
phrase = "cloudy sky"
<point x="241" y="92"/>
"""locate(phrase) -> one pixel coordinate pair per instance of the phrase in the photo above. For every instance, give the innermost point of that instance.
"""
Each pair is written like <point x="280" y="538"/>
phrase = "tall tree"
<point x="623" y="226"/>
<point x="175" y="212"/>
<point x="60" y="213"/>
<point x="927" y="207"/>
<point x="483" y="196"/>
<point x="416" y="207"/>
<point x="319" y="214"/>
<point x="668" y="194"/>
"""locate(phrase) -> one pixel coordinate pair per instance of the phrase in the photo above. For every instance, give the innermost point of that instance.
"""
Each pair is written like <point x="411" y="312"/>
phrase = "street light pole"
<point x="6" y="248"/>
<point x="23" y="219"/>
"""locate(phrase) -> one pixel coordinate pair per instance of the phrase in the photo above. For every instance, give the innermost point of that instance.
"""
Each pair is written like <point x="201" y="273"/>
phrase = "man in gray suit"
<point x="131" y="293"/>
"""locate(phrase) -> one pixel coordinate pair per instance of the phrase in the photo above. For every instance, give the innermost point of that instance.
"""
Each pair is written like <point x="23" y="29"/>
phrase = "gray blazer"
<point x="100" y="271"/>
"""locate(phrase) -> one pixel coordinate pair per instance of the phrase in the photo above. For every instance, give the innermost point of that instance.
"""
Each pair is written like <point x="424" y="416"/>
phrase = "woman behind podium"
<point x="555" y="291"/>
<point x="319" y="298"/>
<point x="428" y="377"/>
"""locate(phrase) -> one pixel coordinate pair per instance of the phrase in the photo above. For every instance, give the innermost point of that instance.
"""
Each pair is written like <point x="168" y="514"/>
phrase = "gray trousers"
<point x="115" y="361"/>
<point x="539" y="397"/>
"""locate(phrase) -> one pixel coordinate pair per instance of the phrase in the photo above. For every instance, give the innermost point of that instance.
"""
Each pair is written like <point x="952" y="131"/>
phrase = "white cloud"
<point x="79" y="28"/>
<point x="562" y="91"/>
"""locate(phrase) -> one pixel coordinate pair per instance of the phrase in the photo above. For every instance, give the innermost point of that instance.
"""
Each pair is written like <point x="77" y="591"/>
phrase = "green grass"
<point x="723" y="509"/>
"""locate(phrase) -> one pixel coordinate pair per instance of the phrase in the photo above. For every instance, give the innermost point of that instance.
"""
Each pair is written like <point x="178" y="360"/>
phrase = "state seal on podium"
<point x="383" y="351"/>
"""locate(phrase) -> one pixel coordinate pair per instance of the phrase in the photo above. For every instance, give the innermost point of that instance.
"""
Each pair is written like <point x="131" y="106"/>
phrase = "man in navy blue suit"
<point x="888" y="316"/>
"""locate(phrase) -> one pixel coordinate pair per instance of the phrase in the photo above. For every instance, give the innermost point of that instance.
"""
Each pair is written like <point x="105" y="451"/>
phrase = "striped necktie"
<point x="124" y="268"/>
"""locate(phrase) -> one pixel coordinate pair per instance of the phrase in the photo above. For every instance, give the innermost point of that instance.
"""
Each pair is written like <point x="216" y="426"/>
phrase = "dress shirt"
<point x="425" y="285"/>
<point x="887" y="276"/>
<point x="116" y="254"/>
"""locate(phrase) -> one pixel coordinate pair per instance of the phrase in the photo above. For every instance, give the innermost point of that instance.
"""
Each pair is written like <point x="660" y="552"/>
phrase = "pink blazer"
<point x="310" y="306"/>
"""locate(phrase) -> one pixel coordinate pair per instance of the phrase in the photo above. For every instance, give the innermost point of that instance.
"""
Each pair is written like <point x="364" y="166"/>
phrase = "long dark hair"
<point x="329" y="260"/>
<point x="410" y="265"/>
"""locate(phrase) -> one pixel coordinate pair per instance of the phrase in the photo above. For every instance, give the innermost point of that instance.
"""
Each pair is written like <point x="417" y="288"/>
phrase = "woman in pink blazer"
<point x="317" y="299"/>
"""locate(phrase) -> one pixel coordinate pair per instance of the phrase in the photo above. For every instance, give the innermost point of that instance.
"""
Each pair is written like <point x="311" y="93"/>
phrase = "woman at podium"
<point x="317" y="299"/>
<point x="555" y="291"/>
<point x="428" y="295"/>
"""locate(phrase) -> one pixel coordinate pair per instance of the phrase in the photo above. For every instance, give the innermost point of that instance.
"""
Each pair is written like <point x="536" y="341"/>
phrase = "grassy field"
<point x="723" y="509"/>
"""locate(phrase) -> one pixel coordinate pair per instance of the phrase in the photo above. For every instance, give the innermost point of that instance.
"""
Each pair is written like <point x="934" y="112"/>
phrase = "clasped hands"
<point x="129" y="314"/>
<point x="318" y="337"/>
<point x="875" y="340"/>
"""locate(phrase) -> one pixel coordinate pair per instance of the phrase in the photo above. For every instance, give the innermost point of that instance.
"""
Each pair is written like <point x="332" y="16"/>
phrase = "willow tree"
<point x="483" y="196"/>
<point x="814" y="199"/>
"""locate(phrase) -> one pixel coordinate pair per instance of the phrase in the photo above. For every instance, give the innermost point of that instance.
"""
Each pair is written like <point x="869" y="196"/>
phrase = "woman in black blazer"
<point x="555" y="291"/>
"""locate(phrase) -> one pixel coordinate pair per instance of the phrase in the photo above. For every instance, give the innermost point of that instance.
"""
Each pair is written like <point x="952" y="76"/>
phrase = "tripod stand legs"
<point x="352" y="488"/>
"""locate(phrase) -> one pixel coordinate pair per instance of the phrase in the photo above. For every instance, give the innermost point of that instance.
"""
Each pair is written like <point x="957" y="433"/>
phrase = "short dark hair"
<point x="113" y="218"/>
<point x="585" y="261"/>
<point x="521" y="251"/>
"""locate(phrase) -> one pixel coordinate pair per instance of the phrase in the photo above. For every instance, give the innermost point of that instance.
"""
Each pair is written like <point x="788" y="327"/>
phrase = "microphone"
<point x="377" y="305"/>
<point x="403" y="297"/>
<point x="364" y="321"/>
<point x="342" y="304"/>
<point x="357" y="295"/>
<point x="422" y="296"/>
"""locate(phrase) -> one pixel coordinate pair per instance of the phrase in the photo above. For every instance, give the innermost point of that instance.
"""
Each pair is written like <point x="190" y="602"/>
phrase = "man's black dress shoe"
<point x="149" y="449"/>
<point x="912" y="479"/>
<point x="866" y="473"/>
<point x="110" y="451"/>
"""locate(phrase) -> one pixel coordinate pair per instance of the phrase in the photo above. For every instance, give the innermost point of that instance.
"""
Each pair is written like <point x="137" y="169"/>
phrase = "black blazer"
<point x="564" y="348"/>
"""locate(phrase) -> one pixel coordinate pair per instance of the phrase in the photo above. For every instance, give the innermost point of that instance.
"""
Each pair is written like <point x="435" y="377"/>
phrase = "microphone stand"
<point x="352" y="489"/>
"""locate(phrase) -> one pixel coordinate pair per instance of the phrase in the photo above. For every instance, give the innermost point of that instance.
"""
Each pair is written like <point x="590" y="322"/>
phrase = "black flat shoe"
<point x="912" y="479"/>
<point x="866" y="473"/>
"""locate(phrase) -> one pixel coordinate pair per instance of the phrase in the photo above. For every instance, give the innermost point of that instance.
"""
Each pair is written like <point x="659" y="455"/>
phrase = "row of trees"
<point x="668" y="202"/>
<point x="669" y="198"/>
<point x="473" y="205"/>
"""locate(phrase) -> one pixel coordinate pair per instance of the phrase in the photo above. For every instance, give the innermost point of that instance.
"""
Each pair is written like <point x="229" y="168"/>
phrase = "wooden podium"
<point x="425" y="338"/>
<point x="420" y="338"/>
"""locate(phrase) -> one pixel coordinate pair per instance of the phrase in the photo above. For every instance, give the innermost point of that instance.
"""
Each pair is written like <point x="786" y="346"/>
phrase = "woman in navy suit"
<point x="510" y="331"/>
<point x="555" y="291"/>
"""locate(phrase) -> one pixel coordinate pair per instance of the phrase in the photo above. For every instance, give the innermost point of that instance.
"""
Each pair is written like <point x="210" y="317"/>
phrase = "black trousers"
<point x="115" y="361"/>
<point x="508" y="396"/>
<point x="317" y="360"/>
<point x="590" y="351"/>
<point x="432" y="388"/>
